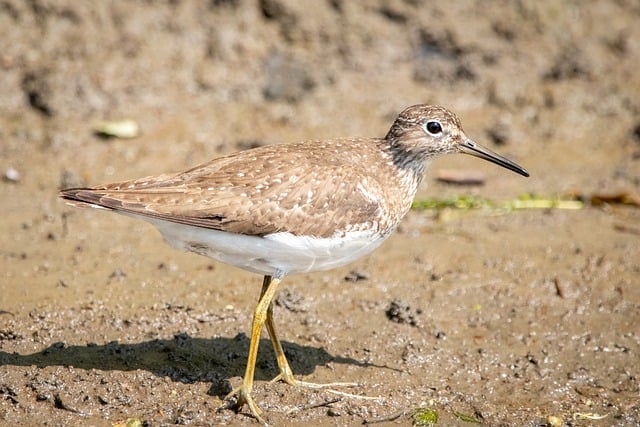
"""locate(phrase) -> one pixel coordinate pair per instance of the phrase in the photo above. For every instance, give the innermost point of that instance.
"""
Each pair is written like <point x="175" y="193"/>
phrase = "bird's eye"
<point x="433" y="127"/>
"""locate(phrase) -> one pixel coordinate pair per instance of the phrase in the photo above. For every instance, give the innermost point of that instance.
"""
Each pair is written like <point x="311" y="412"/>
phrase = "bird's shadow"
<point x="184" y="358"/>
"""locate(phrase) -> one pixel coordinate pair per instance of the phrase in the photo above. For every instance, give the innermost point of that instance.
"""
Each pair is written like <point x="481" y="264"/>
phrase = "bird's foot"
<point x="243" y="396"/>
<point x="287" y="377"/>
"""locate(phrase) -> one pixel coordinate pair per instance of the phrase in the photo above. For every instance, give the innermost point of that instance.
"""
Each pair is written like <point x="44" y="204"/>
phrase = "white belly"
<point x="274" y="254"/>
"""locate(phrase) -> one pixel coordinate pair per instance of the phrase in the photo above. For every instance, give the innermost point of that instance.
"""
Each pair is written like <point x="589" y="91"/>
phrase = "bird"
<point x="291" y="208"/>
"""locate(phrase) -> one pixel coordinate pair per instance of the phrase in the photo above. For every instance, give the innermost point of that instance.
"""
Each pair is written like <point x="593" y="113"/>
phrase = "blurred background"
<point x="95" y="92"/>
<point x="554" y="83"/>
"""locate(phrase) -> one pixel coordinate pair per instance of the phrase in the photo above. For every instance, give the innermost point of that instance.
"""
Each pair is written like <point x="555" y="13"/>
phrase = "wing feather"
<point x="294" y="188"/>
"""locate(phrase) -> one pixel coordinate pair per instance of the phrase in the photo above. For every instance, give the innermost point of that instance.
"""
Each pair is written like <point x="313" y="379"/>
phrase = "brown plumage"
<point x="308" y="188"/>
<point x="314" y="188"/>
<point x="292" y="208"/>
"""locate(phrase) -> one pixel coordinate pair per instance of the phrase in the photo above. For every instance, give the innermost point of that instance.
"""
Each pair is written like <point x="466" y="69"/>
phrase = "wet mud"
<point x="521" y="318"/>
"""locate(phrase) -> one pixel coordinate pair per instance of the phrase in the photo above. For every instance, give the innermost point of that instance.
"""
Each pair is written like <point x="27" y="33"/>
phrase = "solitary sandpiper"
<point x="292" y="208"/>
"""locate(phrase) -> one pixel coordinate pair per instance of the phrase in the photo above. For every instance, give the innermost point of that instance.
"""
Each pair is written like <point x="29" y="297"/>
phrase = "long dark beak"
<point x="473" y="149"/>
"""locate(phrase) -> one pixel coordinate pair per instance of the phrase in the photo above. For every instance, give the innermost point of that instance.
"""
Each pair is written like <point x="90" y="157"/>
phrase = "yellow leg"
<point x="263" y="316"/>
<point x="243" y="393"/>
<point x="286" y="374"/>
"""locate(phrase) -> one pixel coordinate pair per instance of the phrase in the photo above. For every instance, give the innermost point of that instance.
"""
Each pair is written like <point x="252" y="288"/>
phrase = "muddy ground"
<point x="508" y="319"/>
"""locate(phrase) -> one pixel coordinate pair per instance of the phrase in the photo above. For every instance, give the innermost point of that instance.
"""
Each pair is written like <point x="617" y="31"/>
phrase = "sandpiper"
<point x="292" y="208"/>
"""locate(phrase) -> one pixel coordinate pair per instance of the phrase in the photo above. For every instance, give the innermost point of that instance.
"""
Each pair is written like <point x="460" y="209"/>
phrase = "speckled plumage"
<point x="292" y="208"/>
<point x="315" y="188"/>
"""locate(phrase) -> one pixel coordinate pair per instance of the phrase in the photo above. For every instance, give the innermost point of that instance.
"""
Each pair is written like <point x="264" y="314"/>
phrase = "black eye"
<point x="433" y="127"/>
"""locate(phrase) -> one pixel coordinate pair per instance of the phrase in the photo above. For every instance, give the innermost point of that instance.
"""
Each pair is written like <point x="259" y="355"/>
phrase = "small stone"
<point x="554" y="421"/>
<point x="12" y="175"/>
<point x="401" y="312"/>
<point x="333" y="412"/>
<point x="356" y="276"/>
<point x="123" y="129"/>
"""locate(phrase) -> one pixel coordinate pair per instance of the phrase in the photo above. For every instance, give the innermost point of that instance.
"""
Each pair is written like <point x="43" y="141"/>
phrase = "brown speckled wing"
<point x="311" y="188"/>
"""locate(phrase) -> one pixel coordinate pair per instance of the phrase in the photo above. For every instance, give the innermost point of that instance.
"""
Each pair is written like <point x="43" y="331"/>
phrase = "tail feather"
<point x="84" y="197"/>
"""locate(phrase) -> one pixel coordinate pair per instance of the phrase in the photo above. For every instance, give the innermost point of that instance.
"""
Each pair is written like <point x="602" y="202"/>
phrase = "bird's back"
<point x="316" y="188"/>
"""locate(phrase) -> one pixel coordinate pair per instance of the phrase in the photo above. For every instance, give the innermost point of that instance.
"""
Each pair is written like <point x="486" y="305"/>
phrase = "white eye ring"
<point x="432" y="127"/>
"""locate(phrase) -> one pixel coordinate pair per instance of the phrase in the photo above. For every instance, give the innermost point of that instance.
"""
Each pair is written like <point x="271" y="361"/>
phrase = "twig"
<point x="385" y="418"/>
<point x="314" y="406"/>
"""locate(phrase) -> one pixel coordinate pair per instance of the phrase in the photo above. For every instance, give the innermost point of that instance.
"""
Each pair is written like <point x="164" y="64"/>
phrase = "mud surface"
<point x="509" y="319"/>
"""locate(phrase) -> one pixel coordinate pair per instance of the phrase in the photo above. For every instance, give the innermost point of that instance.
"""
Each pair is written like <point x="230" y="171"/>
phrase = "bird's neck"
<point x="408" y="158"/>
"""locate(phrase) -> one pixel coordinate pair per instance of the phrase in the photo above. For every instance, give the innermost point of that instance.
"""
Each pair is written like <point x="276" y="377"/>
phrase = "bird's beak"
<point x="467" y="146"/>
